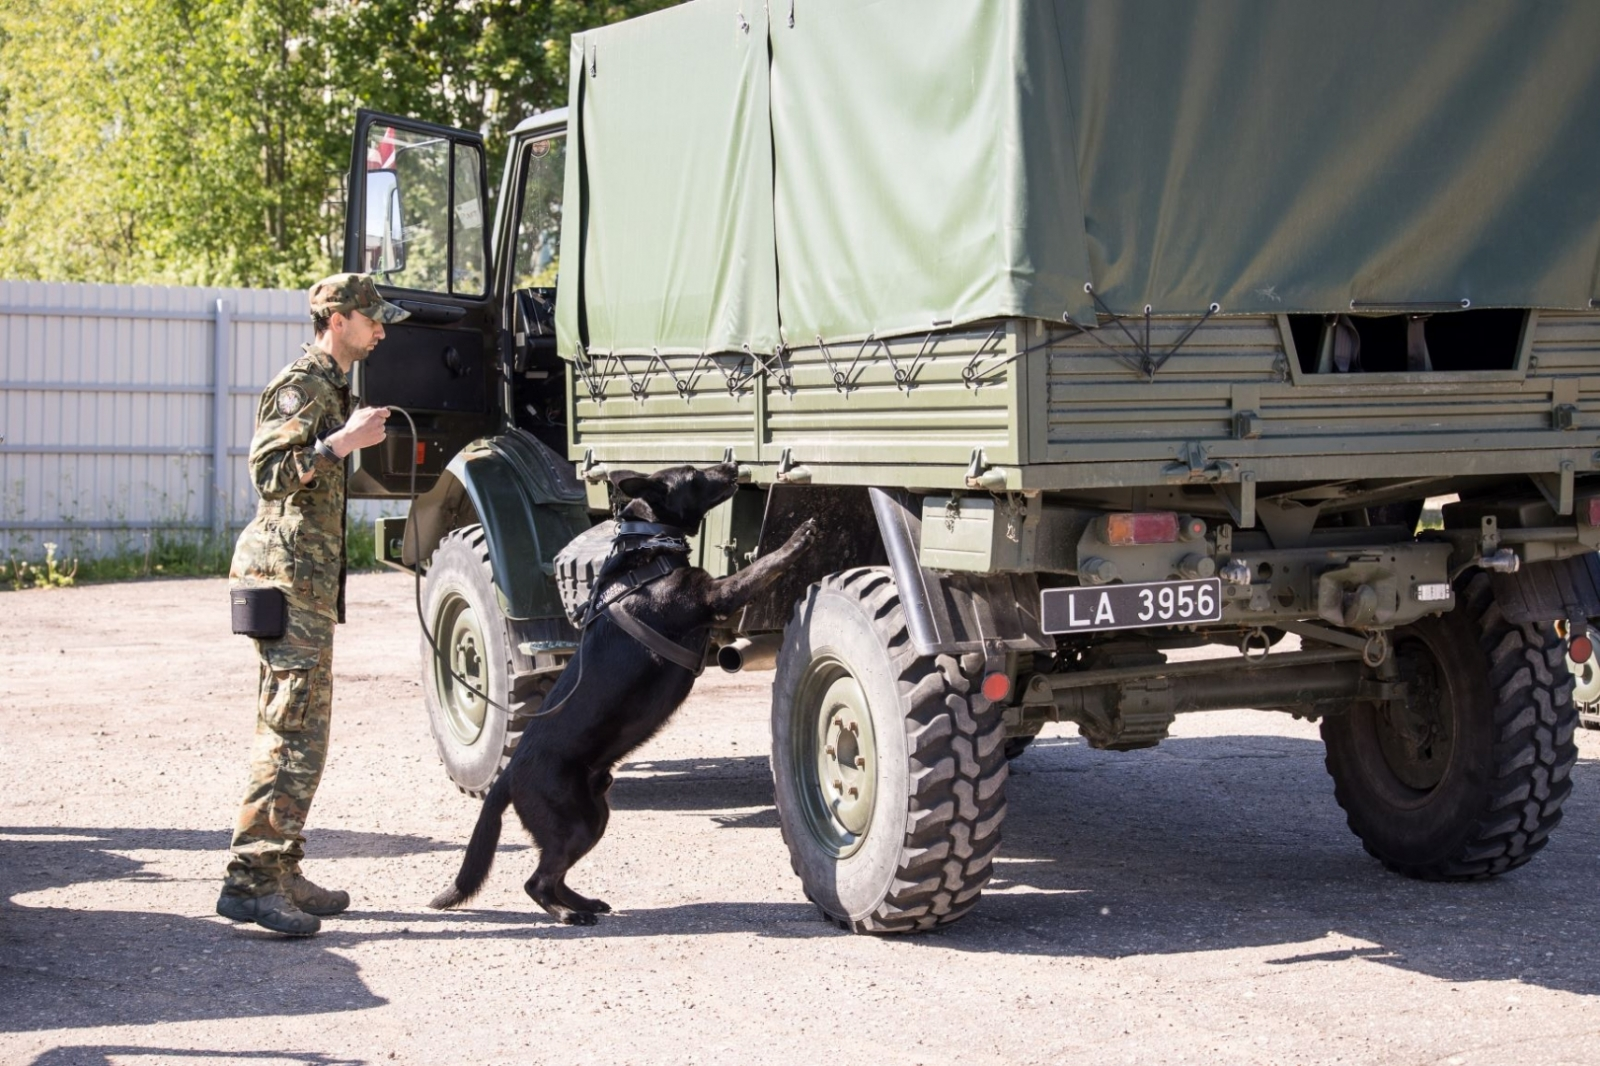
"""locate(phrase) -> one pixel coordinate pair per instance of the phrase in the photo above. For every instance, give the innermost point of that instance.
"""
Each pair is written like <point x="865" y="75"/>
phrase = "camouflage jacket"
<point x="296" y="540"/>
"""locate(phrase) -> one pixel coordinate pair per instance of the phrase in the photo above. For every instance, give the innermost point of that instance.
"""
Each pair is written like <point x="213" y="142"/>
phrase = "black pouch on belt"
<point x="260" y="612"/>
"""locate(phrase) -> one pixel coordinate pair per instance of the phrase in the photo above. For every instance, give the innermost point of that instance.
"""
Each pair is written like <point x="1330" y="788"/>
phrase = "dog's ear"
<point x="633" y="484"/>
<point x="638" y="510"/>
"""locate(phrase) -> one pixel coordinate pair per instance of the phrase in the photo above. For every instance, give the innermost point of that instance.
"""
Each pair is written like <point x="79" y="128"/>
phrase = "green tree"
<point x="204" y="142"/>
<point x="143" y="140"/>
<point x="475" y="64"/>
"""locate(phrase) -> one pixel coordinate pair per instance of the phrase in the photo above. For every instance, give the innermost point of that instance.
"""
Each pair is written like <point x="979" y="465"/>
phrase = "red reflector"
<point x="996" y="687"/>
<point x="1579" y="650"/>
<point x="1592" y="512"/>
<point x="422" y="451"/>
<point x="1141" y="527"/>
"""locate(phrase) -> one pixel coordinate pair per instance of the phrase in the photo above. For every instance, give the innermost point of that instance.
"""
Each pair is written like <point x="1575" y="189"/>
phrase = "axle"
<point x="1127" y="707"/>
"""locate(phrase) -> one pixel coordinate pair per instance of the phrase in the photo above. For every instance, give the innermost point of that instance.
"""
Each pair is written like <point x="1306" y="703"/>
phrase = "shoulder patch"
<point x="290" y="399"/>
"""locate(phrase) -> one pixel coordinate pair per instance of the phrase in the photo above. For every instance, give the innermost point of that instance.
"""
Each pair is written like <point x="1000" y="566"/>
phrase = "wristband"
<point x="325" y="450"/>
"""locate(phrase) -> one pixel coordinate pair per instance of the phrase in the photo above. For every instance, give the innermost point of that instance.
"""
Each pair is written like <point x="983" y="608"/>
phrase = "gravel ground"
<point x="1200" y="902"/>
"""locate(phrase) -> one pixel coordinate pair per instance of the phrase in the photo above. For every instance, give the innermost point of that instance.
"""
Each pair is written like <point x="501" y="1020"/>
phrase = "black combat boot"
<point x="275" y="912"/>
<point x="312" y="899"/>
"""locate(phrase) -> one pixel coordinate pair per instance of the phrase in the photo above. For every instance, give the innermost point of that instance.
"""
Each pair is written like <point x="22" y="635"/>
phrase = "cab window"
<point x="424" y="212"/>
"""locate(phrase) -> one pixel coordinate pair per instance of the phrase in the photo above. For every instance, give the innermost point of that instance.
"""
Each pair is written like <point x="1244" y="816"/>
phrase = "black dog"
<point x="616" y="693"/>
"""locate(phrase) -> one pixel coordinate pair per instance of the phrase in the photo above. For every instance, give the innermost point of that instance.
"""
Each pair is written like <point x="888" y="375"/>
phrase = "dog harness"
<point x="674" y="548"/>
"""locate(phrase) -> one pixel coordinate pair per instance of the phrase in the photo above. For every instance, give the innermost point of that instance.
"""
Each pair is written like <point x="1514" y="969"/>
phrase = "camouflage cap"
<point x="353" y="292"/>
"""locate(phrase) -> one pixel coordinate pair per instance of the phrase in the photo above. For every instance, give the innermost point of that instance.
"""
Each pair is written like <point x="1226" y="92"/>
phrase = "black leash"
<point x="649" y="535"/>
<point x="439" y="657"/>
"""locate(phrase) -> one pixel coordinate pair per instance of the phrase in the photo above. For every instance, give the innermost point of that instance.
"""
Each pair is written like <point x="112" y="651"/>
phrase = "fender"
<point x="530" y="504"/>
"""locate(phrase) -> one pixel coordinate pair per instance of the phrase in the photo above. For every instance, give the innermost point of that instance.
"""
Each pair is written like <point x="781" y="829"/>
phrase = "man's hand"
<point x="364" y="429"/>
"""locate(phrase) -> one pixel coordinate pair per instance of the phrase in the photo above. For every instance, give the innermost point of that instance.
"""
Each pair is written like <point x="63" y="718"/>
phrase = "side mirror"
<point x="385" y="247"/>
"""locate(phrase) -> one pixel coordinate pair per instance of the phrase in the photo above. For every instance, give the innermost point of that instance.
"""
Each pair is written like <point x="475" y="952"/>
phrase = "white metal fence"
<point x="126" y="409"/>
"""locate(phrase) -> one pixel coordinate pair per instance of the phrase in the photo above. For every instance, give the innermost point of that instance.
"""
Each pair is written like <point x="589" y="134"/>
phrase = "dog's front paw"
<point x="806" y="535"/>
<point x="580" y="918"/>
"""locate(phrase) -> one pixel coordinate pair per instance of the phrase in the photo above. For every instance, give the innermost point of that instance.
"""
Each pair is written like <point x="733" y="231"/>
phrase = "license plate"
<point x="1095" y="608"/>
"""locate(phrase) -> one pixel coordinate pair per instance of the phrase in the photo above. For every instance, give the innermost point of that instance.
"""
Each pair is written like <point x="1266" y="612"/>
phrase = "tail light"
<point x="1139" y="527"/>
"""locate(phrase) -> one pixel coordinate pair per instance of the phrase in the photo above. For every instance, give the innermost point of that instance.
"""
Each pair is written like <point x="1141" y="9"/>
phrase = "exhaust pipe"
<point x="750" y="653"/>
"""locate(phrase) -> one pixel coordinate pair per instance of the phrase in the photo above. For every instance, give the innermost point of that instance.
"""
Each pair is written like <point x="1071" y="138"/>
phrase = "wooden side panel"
<point x="1098" y="401"/>
<point x="659" y="410"/>
<point x="955" y="391"/>
<point x="1566" y="349"/>
<point x="1231" y="388"/>
<point x="1073" y="409"/>
<point x="912" y="401"/>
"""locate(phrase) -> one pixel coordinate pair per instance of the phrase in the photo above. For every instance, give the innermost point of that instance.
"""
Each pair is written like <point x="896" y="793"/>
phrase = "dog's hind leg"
<point x="565" y="830"/>
<point x="548" y="885"/>
<point x="544" y="889"/>
<point x="595" y="819"/>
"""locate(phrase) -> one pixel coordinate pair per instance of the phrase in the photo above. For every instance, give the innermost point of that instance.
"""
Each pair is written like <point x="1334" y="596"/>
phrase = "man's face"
<point x="355" y="334"/>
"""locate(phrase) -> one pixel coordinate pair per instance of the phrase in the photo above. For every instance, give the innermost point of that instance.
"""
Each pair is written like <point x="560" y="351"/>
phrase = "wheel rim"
<point x="837" y="757"/>
<point x="1418" y="742"/>
<point x="461" y="645"/>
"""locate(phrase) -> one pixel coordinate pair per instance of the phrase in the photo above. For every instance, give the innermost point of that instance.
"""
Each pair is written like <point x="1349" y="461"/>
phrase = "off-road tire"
<point x="460" y="575"/>
<point x="1505" y="698"/>
<point x="926" y="849"/>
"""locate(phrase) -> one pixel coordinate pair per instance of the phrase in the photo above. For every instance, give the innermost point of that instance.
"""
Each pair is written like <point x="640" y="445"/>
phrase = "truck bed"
<point x="1062" y="409"/>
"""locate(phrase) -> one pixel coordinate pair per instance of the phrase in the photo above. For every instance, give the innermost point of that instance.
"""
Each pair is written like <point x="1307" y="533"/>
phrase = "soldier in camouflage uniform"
<point x="305" y="426"/>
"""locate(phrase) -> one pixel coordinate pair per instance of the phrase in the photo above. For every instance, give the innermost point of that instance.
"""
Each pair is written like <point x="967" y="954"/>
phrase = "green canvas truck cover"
<point x="750" y="175"/>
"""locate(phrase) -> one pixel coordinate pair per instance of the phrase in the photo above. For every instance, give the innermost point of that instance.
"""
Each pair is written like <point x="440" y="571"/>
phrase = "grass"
<point x="164" y="553"/>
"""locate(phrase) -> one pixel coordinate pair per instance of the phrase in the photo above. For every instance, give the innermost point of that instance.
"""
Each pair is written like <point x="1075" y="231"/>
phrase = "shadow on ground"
<point x="34" y="858"/>
<point x="694" y="784"/>
<point x="1203" y="844"/>
<point x="107" y="1054"/>
<point x="63" y="967"/>
<point x="1209" y="844"/>
<point x="1228" y="842"/>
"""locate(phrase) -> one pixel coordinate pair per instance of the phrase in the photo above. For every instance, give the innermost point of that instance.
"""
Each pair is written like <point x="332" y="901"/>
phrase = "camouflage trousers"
<point x="293" y="713"/>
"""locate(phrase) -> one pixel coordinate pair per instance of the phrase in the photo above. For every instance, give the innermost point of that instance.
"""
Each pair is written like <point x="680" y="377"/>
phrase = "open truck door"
<point x="497" y="497"/>
<point x="417" y="219"/>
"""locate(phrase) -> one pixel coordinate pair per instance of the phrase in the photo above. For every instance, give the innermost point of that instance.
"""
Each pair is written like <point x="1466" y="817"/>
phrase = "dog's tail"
<point x="480" y="849"/>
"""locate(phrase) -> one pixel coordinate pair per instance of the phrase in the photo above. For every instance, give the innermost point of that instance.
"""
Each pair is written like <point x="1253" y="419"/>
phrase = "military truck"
<point x="1092" y="332"/>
